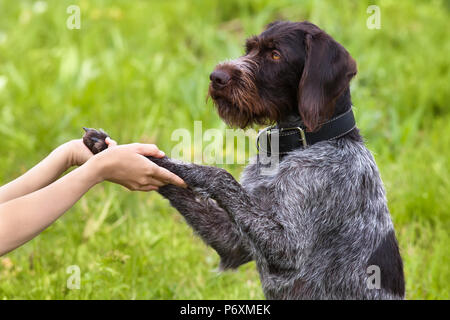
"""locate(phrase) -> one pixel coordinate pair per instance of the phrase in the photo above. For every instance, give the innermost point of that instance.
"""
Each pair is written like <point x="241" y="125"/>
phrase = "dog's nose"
<point x="220" y="78"/>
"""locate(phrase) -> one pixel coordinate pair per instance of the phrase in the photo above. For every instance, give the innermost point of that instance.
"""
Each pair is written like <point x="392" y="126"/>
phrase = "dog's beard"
<point x="240" y="104"/>
<point x="232" y="110"/>
<point x="244" y="109"/>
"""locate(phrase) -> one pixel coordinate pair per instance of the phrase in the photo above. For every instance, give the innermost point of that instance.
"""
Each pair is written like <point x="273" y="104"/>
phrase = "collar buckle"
<point x="266" y="131"/>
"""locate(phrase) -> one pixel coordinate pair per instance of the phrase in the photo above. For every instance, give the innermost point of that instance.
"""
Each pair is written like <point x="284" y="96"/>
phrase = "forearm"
<point x="260" y="227"/>
<point x="252" y="221"/>
<point x="211" y="223"/>
<point x="41" y="175"/>
<point x="23" y="218"/>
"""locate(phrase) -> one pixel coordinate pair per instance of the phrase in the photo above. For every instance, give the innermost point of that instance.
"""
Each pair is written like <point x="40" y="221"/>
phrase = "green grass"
<point x="139" y="69"/>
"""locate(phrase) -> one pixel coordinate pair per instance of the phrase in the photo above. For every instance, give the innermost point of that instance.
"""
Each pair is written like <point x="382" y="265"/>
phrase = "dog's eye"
<point x="276" y="55"/>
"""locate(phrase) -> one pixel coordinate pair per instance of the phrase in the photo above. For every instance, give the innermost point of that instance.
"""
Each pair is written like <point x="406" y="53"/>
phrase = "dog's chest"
<point x="259" y="186"/>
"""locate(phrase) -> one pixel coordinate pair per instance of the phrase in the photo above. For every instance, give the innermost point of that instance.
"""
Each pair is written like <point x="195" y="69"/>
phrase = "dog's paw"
<point x="95" y="140"/>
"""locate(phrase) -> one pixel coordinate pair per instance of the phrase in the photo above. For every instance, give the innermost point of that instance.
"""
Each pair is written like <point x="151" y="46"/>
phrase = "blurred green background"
<point x="139" y="69"/>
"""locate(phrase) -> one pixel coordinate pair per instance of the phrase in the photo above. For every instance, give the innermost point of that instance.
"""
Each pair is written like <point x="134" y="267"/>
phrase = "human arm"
<point x="48" y="170"/>
<point x="24" y="217"/>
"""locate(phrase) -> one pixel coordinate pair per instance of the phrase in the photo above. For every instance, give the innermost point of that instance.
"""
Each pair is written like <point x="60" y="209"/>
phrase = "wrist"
<point x="64" y="156"/>
<point x="96" y="168"/>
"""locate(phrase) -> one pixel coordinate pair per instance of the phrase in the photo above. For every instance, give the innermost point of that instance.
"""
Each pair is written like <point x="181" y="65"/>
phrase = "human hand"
<point x="76" y="153"/>
<point x="128" y="166"/>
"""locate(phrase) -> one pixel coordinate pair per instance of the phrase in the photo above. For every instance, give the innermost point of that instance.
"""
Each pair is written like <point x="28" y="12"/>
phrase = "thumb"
<point x="150" y="150"/>
<point x="110" y="142"/>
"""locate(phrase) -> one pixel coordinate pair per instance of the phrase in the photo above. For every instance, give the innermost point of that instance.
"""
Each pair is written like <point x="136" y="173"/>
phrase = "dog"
<point x="318" y="226"/>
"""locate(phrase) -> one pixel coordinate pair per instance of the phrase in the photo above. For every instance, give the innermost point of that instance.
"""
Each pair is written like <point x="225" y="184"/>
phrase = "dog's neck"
<point x="343" y="104"/>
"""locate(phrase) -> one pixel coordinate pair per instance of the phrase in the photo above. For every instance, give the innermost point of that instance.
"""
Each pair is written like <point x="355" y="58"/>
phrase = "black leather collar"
<point x="297" y="137"/>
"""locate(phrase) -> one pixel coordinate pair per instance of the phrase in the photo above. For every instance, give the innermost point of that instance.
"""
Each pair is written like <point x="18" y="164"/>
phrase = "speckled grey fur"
<point x="311" y="227"/>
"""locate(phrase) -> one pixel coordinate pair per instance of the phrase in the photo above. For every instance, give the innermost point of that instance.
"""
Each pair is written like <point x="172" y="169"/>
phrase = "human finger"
<point x="110" y="142"/>
<point x="149" y="150"/>
<point x="168" y="177"/>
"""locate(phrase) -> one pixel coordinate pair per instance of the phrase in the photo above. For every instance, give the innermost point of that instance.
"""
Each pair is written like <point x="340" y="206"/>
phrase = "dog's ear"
<point x="326" y="74"/>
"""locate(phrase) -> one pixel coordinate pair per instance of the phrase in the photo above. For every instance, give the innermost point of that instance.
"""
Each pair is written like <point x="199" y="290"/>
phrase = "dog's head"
<point x="291" y="67"/>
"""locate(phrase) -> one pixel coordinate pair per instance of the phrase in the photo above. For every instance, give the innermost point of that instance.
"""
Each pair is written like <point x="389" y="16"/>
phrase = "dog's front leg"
<point x="211" y="223"/>
<point x="265" y="231"/>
